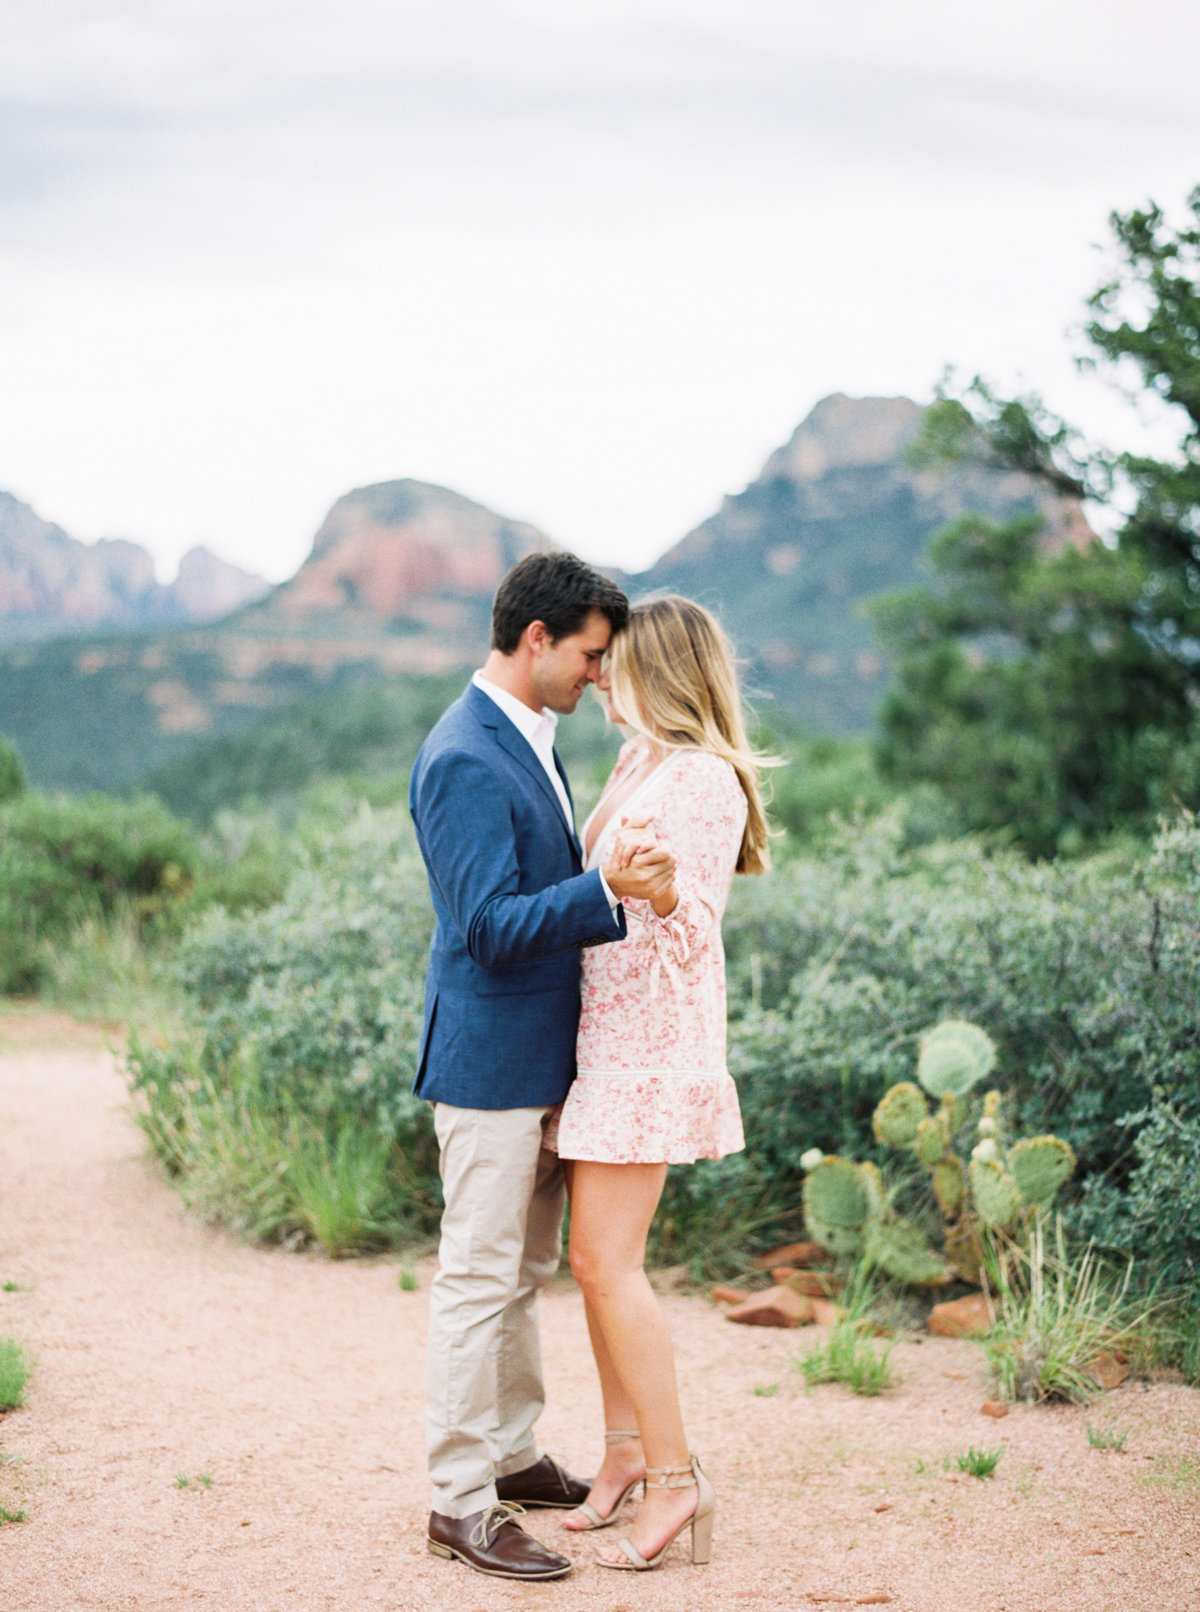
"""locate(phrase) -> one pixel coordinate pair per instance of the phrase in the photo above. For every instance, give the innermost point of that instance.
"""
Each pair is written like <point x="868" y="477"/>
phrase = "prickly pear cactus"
<point x="873" y="1186"/>
<point x="994" y="1191"/>
<point x="899" y="1116"/>
<point x="963" y="1248"/>
<point x="932" y="1139"/>
<point x="836" y="1204"/>
<point x="950" y="1185"/>
<point x="902" y="1250"/>
<point x="954" y="1057"/>
<point x="1039" y="1165"/>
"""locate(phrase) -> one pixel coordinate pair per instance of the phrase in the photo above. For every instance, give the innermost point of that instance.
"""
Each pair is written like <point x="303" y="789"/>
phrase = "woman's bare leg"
<point x="622" y="1462"/>
<point x="612" y="1206"/>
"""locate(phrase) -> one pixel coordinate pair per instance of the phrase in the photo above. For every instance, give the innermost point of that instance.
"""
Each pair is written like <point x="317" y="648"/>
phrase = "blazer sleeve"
<point x="463" y="818"/>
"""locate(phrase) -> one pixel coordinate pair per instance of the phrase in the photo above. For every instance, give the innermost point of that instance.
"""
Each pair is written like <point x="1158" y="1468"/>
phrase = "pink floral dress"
<point x="652" y="1084"/>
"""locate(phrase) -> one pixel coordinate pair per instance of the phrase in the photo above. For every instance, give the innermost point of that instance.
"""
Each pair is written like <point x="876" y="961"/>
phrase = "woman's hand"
<point x="638" y="854"/>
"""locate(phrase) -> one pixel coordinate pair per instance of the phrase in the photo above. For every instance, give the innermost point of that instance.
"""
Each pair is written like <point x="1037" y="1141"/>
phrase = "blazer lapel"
<point x="517" y="746"/>
<point x="562" y="773"/>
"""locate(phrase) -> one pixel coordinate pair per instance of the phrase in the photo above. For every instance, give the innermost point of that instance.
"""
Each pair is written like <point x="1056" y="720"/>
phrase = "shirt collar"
<point x="529" y="723"/>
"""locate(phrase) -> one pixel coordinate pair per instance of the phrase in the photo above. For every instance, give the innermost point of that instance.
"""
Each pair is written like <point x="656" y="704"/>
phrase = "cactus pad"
<point x="955" y="1056"/>
<point x="836" y="1204"/>
<point x="898" y="1117"/>
<point x="949" y="1185"/>
<point x="933" y="1139"/>
<point x="1039" y="1166"/>
<point x="901" y="1250"/>
<point x="874" y="1188"/>
<point x="963" y="1248"/>
<point x="995" y="1193"/>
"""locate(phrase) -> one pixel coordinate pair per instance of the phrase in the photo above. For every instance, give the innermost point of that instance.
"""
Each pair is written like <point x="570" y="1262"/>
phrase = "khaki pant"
<point x="500" y="1242"/>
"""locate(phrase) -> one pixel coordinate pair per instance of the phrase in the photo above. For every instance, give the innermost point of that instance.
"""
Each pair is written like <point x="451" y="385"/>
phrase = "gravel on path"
<point x="216" y="1425"/>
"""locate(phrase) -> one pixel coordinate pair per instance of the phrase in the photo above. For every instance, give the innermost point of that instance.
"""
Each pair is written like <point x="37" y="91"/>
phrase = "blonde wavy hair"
<point x="673" y="679"/>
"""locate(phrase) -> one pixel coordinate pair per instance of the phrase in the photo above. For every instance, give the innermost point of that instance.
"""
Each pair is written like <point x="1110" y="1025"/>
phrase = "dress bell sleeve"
<point x="701" y="812"/>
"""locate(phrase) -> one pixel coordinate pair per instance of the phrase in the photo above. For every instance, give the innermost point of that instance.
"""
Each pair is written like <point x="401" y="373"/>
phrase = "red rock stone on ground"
<point x="1108" y="1370"/>
<point x="728" y="1295"/>
<point x="994" y="1407"/>
<point x="825" y="1312"/>
<point x="969" y="1317"/>
<point x="793" y="1254"/>
<point x="778" y="1307"/>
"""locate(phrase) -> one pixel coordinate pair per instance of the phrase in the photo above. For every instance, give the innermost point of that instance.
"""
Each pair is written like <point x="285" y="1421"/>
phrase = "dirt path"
<point x="165" y="1349"/>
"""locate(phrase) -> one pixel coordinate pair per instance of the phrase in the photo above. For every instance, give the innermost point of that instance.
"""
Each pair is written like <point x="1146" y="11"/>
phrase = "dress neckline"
<point x="590" y="862"/>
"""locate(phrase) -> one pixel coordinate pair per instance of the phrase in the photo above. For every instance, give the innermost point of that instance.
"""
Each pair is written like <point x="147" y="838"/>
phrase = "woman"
<point x="652" y="1087"/>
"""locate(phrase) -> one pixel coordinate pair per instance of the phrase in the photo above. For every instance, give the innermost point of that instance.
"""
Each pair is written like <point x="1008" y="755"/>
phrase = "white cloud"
<point x="588" y="263"/>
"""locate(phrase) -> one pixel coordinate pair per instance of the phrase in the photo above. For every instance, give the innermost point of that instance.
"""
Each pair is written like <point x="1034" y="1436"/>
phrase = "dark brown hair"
<point x="557" y="589"/>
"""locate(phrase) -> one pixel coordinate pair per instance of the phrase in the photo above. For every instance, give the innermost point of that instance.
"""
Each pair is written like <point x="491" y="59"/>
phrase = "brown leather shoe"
<point x="491" y="1542"/>
<point x="545" y="1483"/>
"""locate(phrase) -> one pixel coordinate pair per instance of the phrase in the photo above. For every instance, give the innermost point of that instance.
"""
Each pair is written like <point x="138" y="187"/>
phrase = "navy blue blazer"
<point x="513" y="907"/>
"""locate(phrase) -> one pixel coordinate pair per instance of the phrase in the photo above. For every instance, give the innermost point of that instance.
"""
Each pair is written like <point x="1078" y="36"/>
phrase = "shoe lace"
<point x="492" y="1520"/>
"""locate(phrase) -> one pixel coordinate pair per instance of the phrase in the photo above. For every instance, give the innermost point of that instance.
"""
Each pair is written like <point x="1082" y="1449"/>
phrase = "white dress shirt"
<point x="538" y="728"/>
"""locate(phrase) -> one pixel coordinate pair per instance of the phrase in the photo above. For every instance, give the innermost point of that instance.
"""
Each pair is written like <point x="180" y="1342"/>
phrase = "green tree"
<point x="12" y="774"/>
<point x="1054" y="693"/>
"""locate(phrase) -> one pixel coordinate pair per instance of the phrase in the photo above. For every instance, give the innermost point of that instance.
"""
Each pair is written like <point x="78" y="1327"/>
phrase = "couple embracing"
<point x="574" y="1043"/>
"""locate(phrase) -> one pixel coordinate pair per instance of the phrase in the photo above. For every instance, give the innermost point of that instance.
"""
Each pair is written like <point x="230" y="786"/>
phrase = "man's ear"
<point x="537" y="636"/>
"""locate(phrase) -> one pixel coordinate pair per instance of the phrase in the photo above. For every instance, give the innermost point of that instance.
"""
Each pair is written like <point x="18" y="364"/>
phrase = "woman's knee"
<point x="599" y="1267"/>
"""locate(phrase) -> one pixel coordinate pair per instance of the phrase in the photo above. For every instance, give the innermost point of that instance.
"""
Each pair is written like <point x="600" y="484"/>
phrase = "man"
<point x="494" y="821"/>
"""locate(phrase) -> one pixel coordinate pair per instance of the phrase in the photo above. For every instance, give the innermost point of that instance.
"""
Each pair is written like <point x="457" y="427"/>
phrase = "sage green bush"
<point x="12" y="773"/>
<point x="286" y="1108"/>
<point x="1085" y="974"/>
<point x="68" y="860"/>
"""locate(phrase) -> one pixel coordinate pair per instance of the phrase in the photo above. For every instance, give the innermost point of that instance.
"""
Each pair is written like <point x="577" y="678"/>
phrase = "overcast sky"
<point x="587" y="261"/>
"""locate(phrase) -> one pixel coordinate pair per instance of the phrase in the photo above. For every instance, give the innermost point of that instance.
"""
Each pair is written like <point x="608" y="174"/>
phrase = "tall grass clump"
<point x="1056" y="1313"/>
<point x="15" y="1371"/>
<point x="284" y="1109"/>
<point x="852" y="1355"/>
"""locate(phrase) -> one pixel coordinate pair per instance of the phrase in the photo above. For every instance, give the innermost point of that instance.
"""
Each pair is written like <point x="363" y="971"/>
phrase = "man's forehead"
<point x="596" y="632"/>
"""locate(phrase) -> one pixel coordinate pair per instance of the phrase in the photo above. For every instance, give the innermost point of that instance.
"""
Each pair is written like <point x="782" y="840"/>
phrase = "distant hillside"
<point x="369" y="734"/>
<point x="835" y="517"/>
<point x="399" y="582"/>
<point x="52" y="585"/>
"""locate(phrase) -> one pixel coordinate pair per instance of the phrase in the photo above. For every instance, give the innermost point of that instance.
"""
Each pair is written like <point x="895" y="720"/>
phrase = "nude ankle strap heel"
<point x="616" y="1435"/>
<point x="700" y="1522"/>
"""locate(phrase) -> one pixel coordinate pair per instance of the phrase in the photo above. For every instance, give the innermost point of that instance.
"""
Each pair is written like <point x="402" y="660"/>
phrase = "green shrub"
<point x="1085" y="974"/>
<point x="12" y="774"/>
<point x="287" y="1107"/>
<point x="67" y="861"/>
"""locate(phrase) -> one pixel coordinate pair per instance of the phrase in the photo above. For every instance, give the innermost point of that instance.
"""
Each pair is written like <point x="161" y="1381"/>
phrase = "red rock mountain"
<point x="404" y="553"/>
<point x="53" y="586"/>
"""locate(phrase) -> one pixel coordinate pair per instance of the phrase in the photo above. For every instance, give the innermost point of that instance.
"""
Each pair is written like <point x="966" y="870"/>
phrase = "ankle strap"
<point x="619" y="1435"/>
<point x="670" y="1477"/>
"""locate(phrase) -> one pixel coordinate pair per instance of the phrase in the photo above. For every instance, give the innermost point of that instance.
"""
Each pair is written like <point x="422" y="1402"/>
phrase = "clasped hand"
<point x="641" y="866"/>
